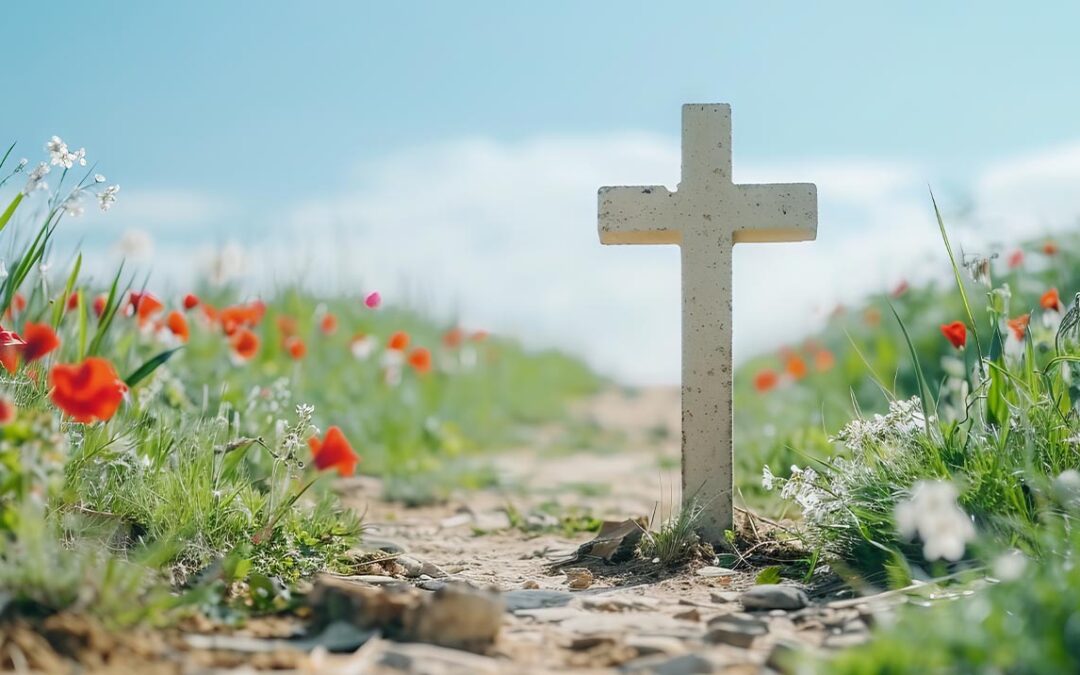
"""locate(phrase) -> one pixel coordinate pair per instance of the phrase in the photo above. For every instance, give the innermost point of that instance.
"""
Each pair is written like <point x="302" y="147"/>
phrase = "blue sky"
<point x="255" y="119"/>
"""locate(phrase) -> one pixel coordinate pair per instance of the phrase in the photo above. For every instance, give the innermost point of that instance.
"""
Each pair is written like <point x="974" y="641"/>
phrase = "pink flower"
<point x="373" y="299"/>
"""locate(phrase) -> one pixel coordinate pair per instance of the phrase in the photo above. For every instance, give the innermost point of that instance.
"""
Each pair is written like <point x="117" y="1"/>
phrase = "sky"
<point x="448" y="154"/>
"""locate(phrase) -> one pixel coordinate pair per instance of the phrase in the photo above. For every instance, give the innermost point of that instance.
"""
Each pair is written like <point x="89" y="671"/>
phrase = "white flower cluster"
<point x="904" y="418"/>
<point x="933" y="514"/>
<point x="804" y="487"/>
<point x="59" y="155"/>
<point x="62" y="156"/>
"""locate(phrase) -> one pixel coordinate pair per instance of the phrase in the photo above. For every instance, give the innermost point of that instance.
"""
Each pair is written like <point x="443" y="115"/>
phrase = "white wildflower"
<point x="933" y="514"/>
<point x="98" y="178"/>
<point x="72" y="206"/>
<point x="768" y="480"/>
<point x="903" y="419"/>
<point x="60" y="155"/>
<point x="107" y="197"/>
<point x="22" y="164"/>
<point x="34" y="179"/>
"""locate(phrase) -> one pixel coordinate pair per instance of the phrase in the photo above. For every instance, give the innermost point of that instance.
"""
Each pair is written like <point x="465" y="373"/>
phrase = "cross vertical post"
<point x="706" y="216"/>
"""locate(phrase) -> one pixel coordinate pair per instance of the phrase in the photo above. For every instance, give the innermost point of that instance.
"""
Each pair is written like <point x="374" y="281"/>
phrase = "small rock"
<point x="691" y="614"/>
<point x="492" y="521"/>
<point x="431" y="584"/>
<point x="784" y="655"/>
<point x="456" y="520"/>
<point x="457" y="616"/>
<point x="735" y="630"/>
<point x="647" y="645"/>
<point x="579" y="578"/>
<point x="530" y="585"/>
<point x="413" y="567"/>
<point x="711" y="572"/>
<point x="584" y="643"/>
<point x="432" y="570"/>
<point x="518" y="600"/>
<point x="774" y="596"/>
<point x="724" y="597"/>
<point x="624" y="602"/>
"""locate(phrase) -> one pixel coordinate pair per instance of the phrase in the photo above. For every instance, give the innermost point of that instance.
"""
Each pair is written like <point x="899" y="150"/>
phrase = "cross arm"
<point x="637" y="215"/>
<point x="776" y="212"/>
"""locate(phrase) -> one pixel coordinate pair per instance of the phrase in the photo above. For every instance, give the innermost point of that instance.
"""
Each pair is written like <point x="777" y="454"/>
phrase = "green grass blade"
<point x="61" y="305"/>
<point x="924" y="389"/>
<point x="112" y="303"/>
<point x="146" y="369"/>
<point x="959" y="282"/>
<point x="10" y="210"/>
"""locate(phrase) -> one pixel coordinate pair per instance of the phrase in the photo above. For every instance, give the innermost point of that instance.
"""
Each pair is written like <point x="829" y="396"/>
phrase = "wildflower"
<point x="1019" y="325"/>
<point x="1050" y="247"/>
<point x="420" y="360"/>
<point x="296" y="347"/>
<point x="59" y="155"/>
<point x="286" y="325"/>
<point x="398" y="342"/>
<point x="178" y="325"/>
<point x="99" y="304"/>
<point x="245" y="344"/>
<point x="72" y="206"/>
<point x="768" y="480"/>
<point x="1010" y="566"/>
<point x="796" y="367"/>
<point x="362" y="346"/>
<point x="453" y="338"/>
<point x="107" y="197"/>
<point x="766" y="380"/>
<point x="328" y="324"/>
<point x="9" y="338"/>
<point x="1015" y="259"/>
<point x="72" y="302"/>
<point x="7" y="410"/>
<point x="18" y="302"/>
<point x="824" y="360"/>
<point x="10" y="344"/>
<point x="146" y="305"/>
<point x="191" y="301"/>
<point x="241" y="316"/>
<point x="903" y="419"/>
<point x="1051" y="300"/>
<point x="933" y="514"/>
<point x="88" y="391"/>
<point x="34" y="180"/>
<point x="900" y="288"/>
<point x="373" y="300"/>
<point x="955" y="333"/>
<point x="40" y="340"/>
<point x="334" y="452"/>
<point x="98" y="178"/>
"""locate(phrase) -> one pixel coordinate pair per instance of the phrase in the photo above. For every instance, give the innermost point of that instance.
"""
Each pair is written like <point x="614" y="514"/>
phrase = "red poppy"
<point x="89" y="391"/>
<point x="191" y="301"/>
<point x="453" y="337"/>
<point x="99" y="304"/>
<point x="1019" y="325"/>
<point x="296" y="347"/>
<point x="245" y="344"/>
<point x="900" y="288"/>
<point x="7" y="410"/>
<point x="398" y="342"/>
<point x="823" y="360"/>
<point x="328" y="324"/>
<point x="955" y="333"/>
<point x="9" y="357"/>
<point x="796" y="367"/>
<point x="420" y="360"/>
<point x="210" y="312"/>
<point x="241" y="316"/>
<point x="334" y="452"/>
<point x="19" y="302"/>
<point x="40" y="340"/>
<point x="1015" y="259"/>
<point x="9" y="338"/>
<point x="287" y="325"/>
<point x="1051" y="300"/>
<point x="73" y="301"/>
<point x="146" y="306"/>
<point x="1050" y="247"/>
<point x="178" y="325"/>
<point x="765" y="380"/>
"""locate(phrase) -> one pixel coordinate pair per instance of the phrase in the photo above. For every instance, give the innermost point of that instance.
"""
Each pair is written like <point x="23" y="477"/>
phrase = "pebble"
<point x="724" y="597"/>
<point x="711" y="572"/>
<point x="413" y="567"/>
<point x="579" y="578"/>
<point x="735" y="630"/>
<point x="774" y="596"/>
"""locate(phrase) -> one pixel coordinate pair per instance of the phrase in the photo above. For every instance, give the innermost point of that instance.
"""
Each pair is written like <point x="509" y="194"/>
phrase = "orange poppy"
<point x="7" y="410"/>
<point x="1019" y="325"/>
<point x="146" y="306"/>
<point x="1050" y="247"/>
<point x="823" y="360"/>
<point x="286" y="325"/>
<point x="40" y="340"/>
<point x="296" y="347"/>
<point x="328" y="324"/>
<point x="19" y="302"/>
<point x="1015" y="259"/>
<point x="334" y="452"/>
<point x="796" y="367"/>
<point x="245" y="344"/>
<point x="241" y="316"/>
<point x="955" y="333"/>
<point x="453" y="337"/>
<point x="398" y="342"/>
<point x="1051" y="300"/>
<point x="765" y="380"/>
<point x="99" y="304"/>
<point x="191" y="301"/>
<point x="178" y="325"/>
<point x="420" y="360"/>
<point x="9" y="358"/>
<point x="88" y="391"/>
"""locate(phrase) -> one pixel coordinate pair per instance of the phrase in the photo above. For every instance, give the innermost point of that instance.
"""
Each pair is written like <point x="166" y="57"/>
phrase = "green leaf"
<point x="10" y="210"/>
<point x="144" y="371"/>
<point x="112" y="303"/>
<point x="61" y="304"/>
<point x="769" y="575"/>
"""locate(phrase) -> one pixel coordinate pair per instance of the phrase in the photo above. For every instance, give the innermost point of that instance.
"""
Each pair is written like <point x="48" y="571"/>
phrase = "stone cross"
<point x="706" y="216"/>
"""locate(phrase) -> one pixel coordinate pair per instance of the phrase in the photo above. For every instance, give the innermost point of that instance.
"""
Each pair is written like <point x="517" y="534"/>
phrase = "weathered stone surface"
<point x="774" y="596"/>
<point x="521" y="599"/>
<point x="647" y="645"/>
<point x="683" y="664"/>
<point x="710" y="572"/>
<point x="737" y="630"/>
<point x="413" y="567"/>
<point x="433" y="660"/>
<point x="705" y="217"/>
<point x="458" y="616"/>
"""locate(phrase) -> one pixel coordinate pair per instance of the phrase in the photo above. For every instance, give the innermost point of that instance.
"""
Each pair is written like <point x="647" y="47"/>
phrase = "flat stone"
<point x="738" y="631"/>
<point x="774" y="596"/>
<point x="845" y="640"/>
<point x="413" y="567"/>
<point x="723" y="597"/>
<point x="683" y="664"/>
<point x="619" y="603"/>
<point x="524" y="598"/>
<point x="433" y="660"/>
<point x="374" y="579"/>
<point x="712" y="572"/>
<point x="554" y="614"/>
<point x="647" y="645"/>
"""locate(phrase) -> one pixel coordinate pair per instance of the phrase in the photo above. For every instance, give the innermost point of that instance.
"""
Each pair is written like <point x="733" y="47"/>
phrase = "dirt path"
<point x="625" y="465"/>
